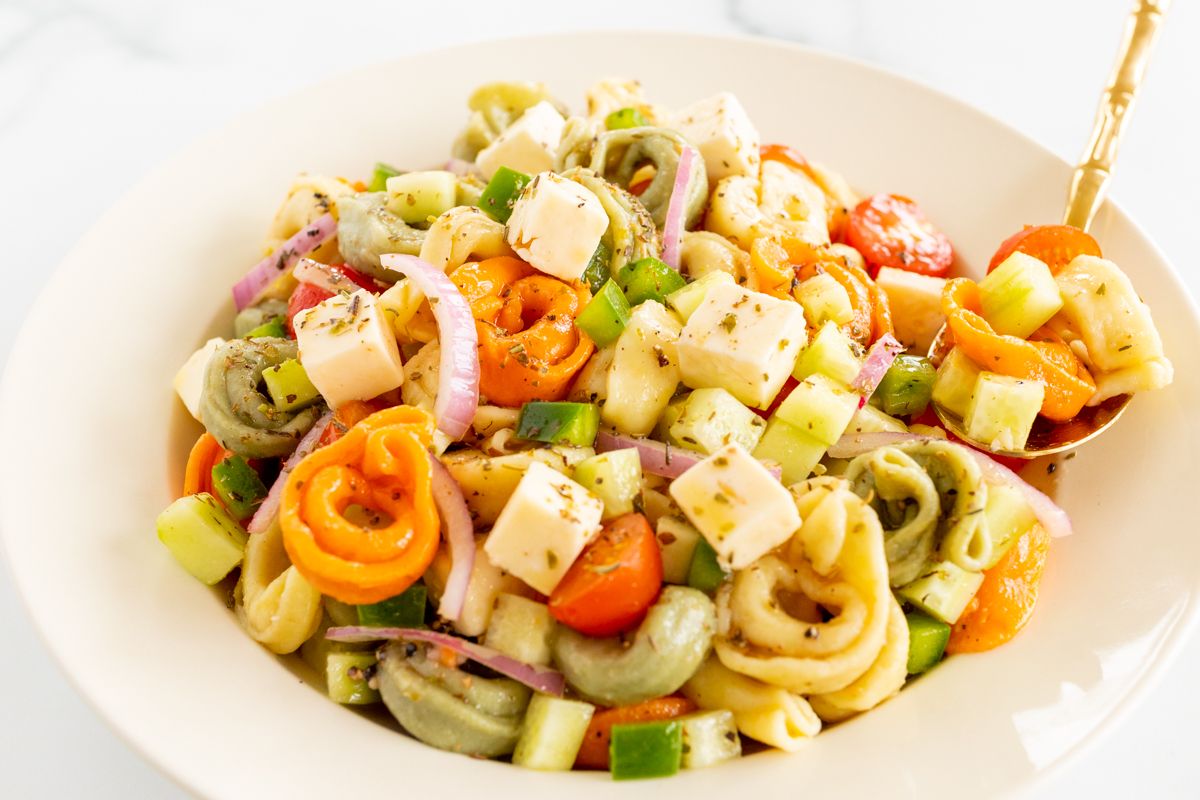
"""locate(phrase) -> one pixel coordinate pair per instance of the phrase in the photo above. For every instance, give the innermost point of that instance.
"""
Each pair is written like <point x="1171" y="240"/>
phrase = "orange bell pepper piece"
<point x="529" y="347"/>
<point x="381" y="467"/>
<point x="206" y="453"/>
<point x="1045" y="357"/>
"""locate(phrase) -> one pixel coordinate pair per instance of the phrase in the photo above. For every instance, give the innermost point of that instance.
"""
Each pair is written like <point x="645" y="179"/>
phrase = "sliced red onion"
<point x="879" y="358"/>
<point x="677" y="208"/>
<point x="264" y="273"/>
<point x="322" y="276"/>
<point x="1049" y="514"/>
<point x="541" y="679"/>
<point x="459" y="167"/>
<point x="659" y="458"/>
<point x="266" y="512"/>
<point x="458" y="378"/>
<point x="460" y="533"/>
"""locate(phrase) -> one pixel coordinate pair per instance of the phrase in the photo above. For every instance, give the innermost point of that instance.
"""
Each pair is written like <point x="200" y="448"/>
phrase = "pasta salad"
<point x="609" y="444"/>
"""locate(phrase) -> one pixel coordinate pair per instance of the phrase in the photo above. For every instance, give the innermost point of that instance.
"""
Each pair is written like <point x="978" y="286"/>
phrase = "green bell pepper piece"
<point x="649" y="279"/>
<point x="273" y="328"/>
<point x="927" y="638"/>
<point x="645" y="750"/>
<point x="625" y="118"/>
<point x="559" y="423"/>
<point x="238" y="486"/>
<point x="501" y="192"/>
<point x="705" y="573"/>
<point x="605" y="316"/>
<point x="405" y="610"/>
<point x="379" y="177"/>
<point x="597" y="273"/>
<point x="906" y="387"/>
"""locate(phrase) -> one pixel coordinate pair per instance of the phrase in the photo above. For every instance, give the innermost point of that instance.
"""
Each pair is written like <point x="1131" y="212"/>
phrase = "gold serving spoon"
<point x="1088" y="185"/>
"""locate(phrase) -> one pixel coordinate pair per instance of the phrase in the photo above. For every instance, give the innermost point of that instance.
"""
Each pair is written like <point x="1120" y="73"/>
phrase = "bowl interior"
<point x="89" y="408"/>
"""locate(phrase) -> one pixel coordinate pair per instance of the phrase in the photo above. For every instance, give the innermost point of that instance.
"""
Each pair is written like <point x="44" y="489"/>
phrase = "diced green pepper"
<point x="649" y="279"/>
<point x="501" y="192"/>
<point x="605" y="316"/>
<point x="204" y="539"/>
<point x="289" y="386"/>
<point x="347" y="677"/>
<point x="273" y="328"/>
<point x="906" y="386"/>
<point x="238" y="486"/>
<point x="559" y="423"/>
<point x="597" y="272"/>
<point x="379" y="177"/>
<point x="645" y="750"/>
<point x="405" y="610"/>
<point x="927" y="638"/>
<point x="705" y="573"/>
<point x="625" y="118"/>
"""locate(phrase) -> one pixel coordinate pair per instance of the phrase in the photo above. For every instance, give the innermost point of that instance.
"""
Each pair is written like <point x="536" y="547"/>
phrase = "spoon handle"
<point x="1091" y="177"/>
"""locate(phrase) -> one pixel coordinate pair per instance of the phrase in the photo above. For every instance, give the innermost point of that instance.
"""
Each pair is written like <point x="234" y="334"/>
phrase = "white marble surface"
<point x="95" y="93"/>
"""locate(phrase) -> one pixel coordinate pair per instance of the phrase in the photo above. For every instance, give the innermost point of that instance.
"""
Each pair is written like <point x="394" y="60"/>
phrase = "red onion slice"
<point x="458" y="378"/>
<point x="266" y="512"/>
<point x="879" y="359"/>
<point x="264" y="273"/>
<point x="659" y="458"/>
<point x="1049" y="514"/>
<point x="677" y="208"/>
<point x="541" y="679"/>
<point x="322" y="276"/>
<point x="460" y="533"/>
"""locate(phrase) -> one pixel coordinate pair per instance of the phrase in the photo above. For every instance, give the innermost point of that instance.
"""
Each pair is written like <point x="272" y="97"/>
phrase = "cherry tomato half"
<point x="1057" y="245"/>
<point x="892" y="231"/>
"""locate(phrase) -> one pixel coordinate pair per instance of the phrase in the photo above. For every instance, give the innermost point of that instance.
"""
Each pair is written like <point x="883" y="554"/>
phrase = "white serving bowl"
<point x="95" y="443"/>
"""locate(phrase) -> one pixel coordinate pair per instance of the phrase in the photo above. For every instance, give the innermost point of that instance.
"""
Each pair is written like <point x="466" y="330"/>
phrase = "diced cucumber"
<point x="501" y="192"/>
<point x="709" y="737"/>
<point x="521" y="628"/>
<point x="274" y="328"/>
<point x="379" y="177"/>
<point x="820" y="407"/>
<point x="340" y="613"/>
<point x="615" y="477"/>
<point x="1019" y="296"/>
<point x="1008" y="516"/>
<point x="552" y="733"/>
<point x="677" y="541"/>
<point x="417" y="196"/>
<point x="645" y="750"/>
<point x="1002" y="410"/>
<point x="347" y="676"/>
<point x="927" y="639"/>
<point x="597" y="272"/>
<point x="831" y="352"/>
<point x="710" y="419"/>
<point x="238" y="486"/>
<point x="955" y="382"/>
<point x="906" y="386"/>
<point x="559" y="422"/>
<point x="405" y="610"/>
<point x="204" y="539"/>
<point x="824" y="300"/>
<point x="606" y="315"/>
<point x="289" y="386"/>
<point x="942" y="591"/>
<point x="870" y="419"/>
<point x="686" y="300"/>
<point x="648" y="279"/>
<point x="662" y="429"/>
<point x="625" y="118"/>
<point x="705" y="573"/>
<point x="791" y="448"/>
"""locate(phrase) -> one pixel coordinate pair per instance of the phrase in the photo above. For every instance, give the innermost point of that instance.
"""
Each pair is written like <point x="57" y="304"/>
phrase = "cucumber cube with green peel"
<point x="552" y="733"/>
<point x="870" y="419"/>
<point x="927" y="638"/>
<point x="677" y="540"/>
<point x="832" y="353"/>
<point x="204" y="539"/>
<point x="820" y="407"/>
<point x="794" y="450"/>
<point x="289" y="386"/>
<point x="824" y="300"/>
<point x="615" y="477"/>
<point x="605" y="315"/>
<point x="709" y="419"/>
<point x="347" y="678"/>
<point x="942" y="591"/>
<point x="1019" y="296"/>
<point x="405" y="610"/>
<point x="559" y="422"/>
<point x="1008" y="516"/>
<point x="955" y="382"/>
<point x="521" y="628"/>
<point x="417" y="196"/>
<point x="686" y="300"/>
<point x="645" y="750"/>
<point x="1002" y="410"/>
<point x="501" y="192"/>
<point x="709" y="737"/>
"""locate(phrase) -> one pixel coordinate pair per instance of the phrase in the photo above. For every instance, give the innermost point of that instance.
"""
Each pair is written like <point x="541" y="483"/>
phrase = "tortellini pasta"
<point x="578" y="140"/>
<point x="621" y="156"/>
<point x="631" y="233"/>
<point x="461" y="234"/>
<point x="495" y="106"/>
<point x="704" y="252"/>
<point x="367" y="230"/>
<point x="276" y="605"/>
<point x="310" y="197"/>
<point x="769" y="714"/>
<point x="489" y="481"/>
<point x="881" y="681"/>
<point x="783" y="202"/>
<point x="487" y="582"/>
<point x="613" y="94"/>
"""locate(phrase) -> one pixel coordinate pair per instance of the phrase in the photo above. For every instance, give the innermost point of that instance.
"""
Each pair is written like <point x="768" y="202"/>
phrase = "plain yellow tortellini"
<point x="768" y="714"/>
<point x="784" y="201"/>
<point x="309" y="198"/>
<point x="462" y="234"/>
<point x="277" y="606"/>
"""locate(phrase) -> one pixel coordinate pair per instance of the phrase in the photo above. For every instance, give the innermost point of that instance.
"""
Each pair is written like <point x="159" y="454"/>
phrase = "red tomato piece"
<point x="304" y="297"/>
<point x="892" y="231"/>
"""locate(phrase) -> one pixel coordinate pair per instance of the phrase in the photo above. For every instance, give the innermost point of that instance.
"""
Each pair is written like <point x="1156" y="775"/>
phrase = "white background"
<point x="95" y="93"/>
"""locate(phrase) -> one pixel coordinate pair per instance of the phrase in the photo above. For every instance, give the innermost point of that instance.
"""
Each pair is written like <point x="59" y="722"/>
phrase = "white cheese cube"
<point x="644" y="372"/>
<point x="528" y="145"/>
<point x="189" y="381"/>
<point x="722" y="131"/>
<point x="742" y="341"/>
<point x="737" y="505"/>
<point x="544" y="527"/>
<point x="556" y="225"/>
<point x="348" y="348"/>
<point x="916" y="302"/>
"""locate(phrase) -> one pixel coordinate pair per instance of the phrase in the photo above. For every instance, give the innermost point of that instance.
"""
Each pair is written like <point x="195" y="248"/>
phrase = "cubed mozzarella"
<point x="556" y="225"/>
<point x="189" y="381"/>
<point x="916" y="303"/>
<point x="528" y="145"/>
<point x="737" y="505"/>
<point x="644" y="371"/>
<point x="722" y="131"/>
<point x="742" y="341"/>
<point x="348" y="348"/>
<point x="544" y="527"/>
